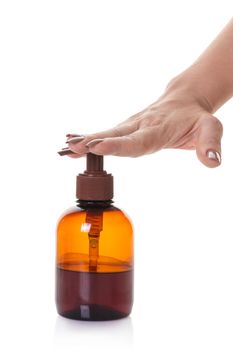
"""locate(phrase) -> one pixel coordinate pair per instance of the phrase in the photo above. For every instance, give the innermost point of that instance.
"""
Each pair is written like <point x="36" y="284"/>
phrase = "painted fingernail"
<point x="214" y="155"/>
<point x="75" y="139"/>
<point x="94" y="142"/>
<point x="73" y="135"/>
<point x="65" y="151"/>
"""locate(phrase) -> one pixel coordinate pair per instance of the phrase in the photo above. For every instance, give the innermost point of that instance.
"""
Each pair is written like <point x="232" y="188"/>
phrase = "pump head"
<point x="94" y="184"/>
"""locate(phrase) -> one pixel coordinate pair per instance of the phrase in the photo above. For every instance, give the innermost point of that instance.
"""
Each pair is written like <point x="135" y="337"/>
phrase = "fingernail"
<point x="65" y="151"/>
<point x="72" y="135"/>
<point x="75" y="139"/>
<point x="214" y="155"/>
<point x="94" y="142"/>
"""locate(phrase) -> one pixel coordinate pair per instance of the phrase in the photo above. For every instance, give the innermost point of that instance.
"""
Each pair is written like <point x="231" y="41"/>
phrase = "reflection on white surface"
<point x="71" y="334"/>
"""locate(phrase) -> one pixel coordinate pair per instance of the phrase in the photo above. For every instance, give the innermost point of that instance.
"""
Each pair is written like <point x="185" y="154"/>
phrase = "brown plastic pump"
<point x="94" y="184"/>
<point x="94" y="279"/>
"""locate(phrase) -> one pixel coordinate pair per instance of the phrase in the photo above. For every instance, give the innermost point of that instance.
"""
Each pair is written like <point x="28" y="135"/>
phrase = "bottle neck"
<point x="94" y="204"/>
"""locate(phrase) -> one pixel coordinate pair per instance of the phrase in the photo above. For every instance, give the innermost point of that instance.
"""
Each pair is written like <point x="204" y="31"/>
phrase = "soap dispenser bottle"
<point x="94" y="259"/>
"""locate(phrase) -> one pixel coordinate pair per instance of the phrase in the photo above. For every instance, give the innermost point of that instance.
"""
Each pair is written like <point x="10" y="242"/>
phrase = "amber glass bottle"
<point x="94" y="272"/>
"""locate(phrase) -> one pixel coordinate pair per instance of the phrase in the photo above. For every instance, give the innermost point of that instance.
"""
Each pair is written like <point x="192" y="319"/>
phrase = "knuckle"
<point x="135" y="117"/>
<point x="117" y="131"/>
<point x="151" y="119"/>
<point x="131" y="146"/>
<point x="91" y="137"/>
<point x="218" y="125"/>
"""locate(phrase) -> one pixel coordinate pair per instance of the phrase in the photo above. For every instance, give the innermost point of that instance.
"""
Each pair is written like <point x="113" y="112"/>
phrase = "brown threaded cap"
<point x="94" y="184"/>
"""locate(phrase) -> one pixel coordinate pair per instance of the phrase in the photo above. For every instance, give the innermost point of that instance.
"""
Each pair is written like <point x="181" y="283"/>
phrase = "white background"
<point x="84" y="66"/>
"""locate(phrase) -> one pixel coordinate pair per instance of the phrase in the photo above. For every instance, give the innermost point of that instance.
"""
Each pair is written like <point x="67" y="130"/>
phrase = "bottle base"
<point x="93" y="313"/>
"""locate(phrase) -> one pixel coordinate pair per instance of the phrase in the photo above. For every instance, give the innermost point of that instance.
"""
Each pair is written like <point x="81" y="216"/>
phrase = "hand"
<point x="178" y="119"/>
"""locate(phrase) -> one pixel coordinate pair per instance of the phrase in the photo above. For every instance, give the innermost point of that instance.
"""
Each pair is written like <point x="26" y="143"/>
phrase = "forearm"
<point x="210" y="77"/>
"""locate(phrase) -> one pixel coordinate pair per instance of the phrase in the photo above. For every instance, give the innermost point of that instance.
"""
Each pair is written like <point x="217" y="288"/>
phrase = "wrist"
<point x="186" y="86"/>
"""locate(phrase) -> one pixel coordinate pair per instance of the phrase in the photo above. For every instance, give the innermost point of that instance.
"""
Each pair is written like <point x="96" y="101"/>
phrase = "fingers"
<point x="138" y="143"/>
<point x="79" y="145"/>
<point x="208" y="143"/>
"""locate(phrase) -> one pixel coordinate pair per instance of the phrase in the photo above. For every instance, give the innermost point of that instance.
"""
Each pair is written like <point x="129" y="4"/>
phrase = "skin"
<point x="182" y="117"/>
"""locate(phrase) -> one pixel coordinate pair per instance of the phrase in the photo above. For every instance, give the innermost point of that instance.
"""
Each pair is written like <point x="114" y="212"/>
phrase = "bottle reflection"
<point x="117" y="334"/>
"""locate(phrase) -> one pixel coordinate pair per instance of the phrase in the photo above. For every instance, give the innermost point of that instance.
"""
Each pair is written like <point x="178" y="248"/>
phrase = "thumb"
<point x="208" y="142"/>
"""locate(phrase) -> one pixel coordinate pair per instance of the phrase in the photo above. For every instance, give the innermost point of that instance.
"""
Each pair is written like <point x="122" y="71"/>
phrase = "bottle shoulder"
<point x="78" y="209"/>
<point x="111" y="212"/>
<point x="124" y="215"/>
